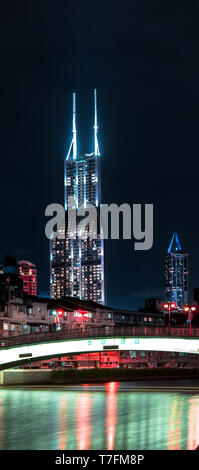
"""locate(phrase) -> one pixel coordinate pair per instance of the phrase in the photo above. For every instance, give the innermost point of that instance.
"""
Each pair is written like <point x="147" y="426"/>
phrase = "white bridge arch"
<point x="19" y="354"/>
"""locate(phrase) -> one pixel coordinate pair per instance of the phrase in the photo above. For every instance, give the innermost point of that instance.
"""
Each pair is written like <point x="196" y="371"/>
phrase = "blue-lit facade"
<point x="176" y="273"/>
<point x="77" y="264"/>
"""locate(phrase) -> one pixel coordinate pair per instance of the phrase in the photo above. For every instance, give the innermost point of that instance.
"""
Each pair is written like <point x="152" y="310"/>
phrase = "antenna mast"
<point x="97" y="152"/>
<point x="74" y="138"/>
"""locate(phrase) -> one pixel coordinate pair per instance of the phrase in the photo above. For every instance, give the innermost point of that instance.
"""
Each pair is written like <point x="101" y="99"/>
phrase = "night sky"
<point x="143" y="59"/>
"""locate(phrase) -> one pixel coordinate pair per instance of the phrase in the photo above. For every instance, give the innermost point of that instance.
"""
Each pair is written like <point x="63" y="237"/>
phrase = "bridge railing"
<point x="134" y="331"/>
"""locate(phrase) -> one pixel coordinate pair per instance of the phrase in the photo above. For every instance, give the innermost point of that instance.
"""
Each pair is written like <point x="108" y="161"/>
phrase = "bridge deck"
<point x="28" y="348"/>
<point x="36" y="338"/>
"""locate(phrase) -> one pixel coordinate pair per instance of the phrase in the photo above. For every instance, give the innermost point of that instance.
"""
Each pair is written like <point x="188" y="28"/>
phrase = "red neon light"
<point x="60" y="312"/>
<point x="166" y="305"/>
<point x="82" y="314"/>
<point x="173" y="305"/>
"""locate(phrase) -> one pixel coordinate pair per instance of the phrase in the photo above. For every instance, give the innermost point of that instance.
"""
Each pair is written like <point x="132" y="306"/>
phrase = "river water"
<point x="134" y="416"/>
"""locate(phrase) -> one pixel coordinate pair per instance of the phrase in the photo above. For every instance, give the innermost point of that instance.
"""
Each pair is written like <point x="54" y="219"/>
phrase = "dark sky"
<point x="143" y="59"/>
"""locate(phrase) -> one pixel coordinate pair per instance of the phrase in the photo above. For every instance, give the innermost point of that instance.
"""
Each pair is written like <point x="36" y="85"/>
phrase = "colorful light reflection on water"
<point x="87" y="418"/>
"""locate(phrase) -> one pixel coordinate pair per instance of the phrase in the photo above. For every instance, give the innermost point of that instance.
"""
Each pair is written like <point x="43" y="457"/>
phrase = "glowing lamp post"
<point x="60" y="312"/>
<point x="83" y="318"/>
<point x="170" y="306"/>
<point x="190" y="309"/>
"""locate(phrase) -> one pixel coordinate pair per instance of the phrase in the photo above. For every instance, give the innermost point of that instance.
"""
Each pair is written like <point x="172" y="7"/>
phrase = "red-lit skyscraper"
<point x="28" y="272"/>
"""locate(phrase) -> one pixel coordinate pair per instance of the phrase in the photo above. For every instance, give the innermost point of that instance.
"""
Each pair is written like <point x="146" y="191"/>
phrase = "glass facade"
<point x="176" y="273"/>
<point x="77" y="264"/>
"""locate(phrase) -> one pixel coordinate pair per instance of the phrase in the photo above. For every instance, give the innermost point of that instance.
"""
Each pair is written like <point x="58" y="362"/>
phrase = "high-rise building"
<point x="77" y="264"/>
<point x="176" y="273"/>
<point x="28" y="272"/>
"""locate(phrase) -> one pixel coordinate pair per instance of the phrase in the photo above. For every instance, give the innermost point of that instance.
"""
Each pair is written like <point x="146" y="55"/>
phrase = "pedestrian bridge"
<point x="29" y="348"/>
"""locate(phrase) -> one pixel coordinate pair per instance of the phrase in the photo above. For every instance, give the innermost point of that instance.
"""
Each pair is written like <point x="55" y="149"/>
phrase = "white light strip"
<point x="53" y="349"/>
<point x="97" y="152"/>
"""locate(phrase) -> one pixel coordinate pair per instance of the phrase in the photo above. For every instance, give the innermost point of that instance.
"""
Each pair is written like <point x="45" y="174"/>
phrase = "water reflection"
<point x="111" y="415"/>
<point x="1" y="439"/>
<point x="83" y="417"/>
<point x="193" y="424"/>
<point x="174" y="426"/>
<point x="91" y="419"/>
<point x="63" y="424"/>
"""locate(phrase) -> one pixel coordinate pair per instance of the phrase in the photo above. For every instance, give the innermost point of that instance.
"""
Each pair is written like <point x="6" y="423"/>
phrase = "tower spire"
<point x="74" y="131"/>
<point x="74" y="128"/>
<point x="97" y="152"/>
<point x="175" y="244"/>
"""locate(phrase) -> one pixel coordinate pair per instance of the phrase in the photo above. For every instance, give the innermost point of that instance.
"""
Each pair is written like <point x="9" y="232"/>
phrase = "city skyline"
<point x="99" y="253"/>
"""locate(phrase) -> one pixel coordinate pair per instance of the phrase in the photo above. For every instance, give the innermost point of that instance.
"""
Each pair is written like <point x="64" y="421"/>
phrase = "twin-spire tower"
<point x="73" y="145"/>
<point x="77" y="264"/>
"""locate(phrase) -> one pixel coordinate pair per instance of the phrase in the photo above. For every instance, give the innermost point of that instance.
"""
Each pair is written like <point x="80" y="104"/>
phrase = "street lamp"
<point x="170" y="306"/>
<point x="190" y="309"/>
<point x="83" y="318"/>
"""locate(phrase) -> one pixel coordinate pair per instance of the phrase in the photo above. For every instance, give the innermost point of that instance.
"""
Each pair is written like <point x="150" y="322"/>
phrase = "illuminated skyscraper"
<point x="28" y="272"/>
<point x="176" y="273"/>
<point x="77" y="265"/>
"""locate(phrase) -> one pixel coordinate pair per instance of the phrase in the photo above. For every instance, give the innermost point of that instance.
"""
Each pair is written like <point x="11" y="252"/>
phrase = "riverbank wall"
<point x="25" y="377"/>
<point x="76" y="376"/>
